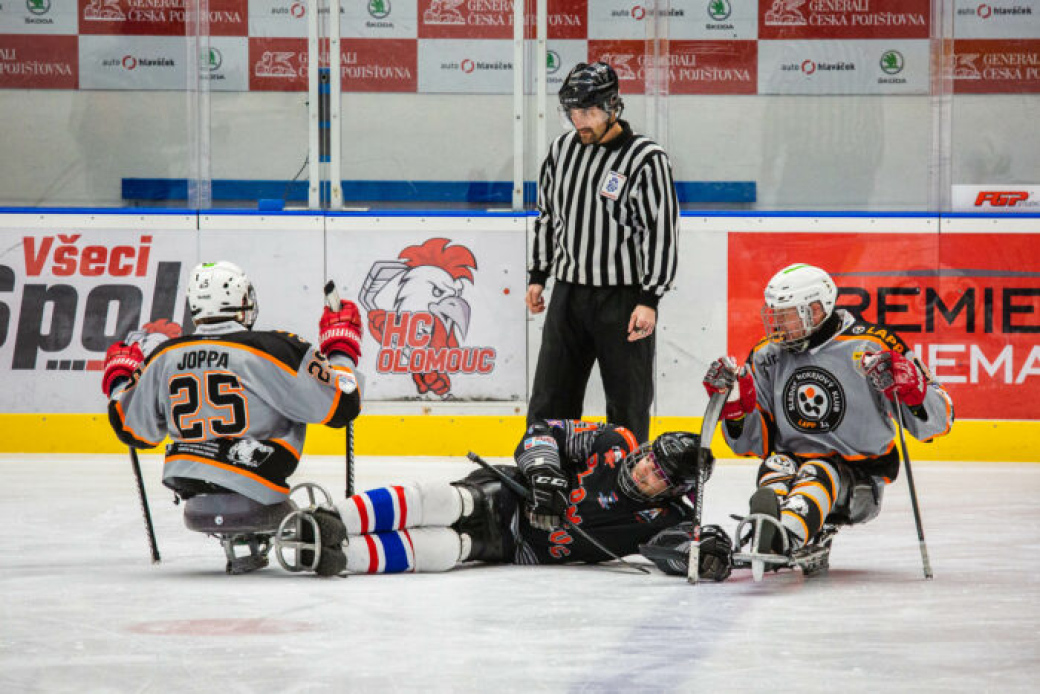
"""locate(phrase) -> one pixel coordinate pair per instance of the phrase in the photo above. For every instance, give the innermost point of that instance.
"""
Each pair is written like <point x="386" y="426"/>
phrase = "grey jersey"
<point x="236" y="404"/>
<point x="817" y="403"/>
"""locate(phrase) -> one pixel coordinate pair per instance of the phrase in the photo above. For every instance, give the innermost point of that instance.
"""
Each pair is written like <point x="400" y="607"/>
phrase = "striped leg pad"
<point x="810" y="500"/>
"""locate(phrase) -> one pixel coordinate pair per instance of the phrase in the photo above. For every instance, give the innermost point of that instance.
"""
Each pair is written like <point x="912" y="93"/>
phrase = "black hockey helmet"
<point x="672" y="466"/>
<point x="592" y="85"/>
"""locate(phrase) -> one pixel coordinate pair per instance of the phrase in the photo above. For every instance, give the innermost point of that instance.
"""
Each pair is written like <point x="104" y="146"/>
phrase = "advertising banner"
<point x="133" y="62"/>
<point x="38" y="62"/>
<point x="843" y="67"/>
<point x="379" y="19"/>
<point x="158" y="17"/>
<point x="278" y="64"/>
<point x="67" y="293"/>
<point x="988" y="66"/>
<point x="226" y="63"/>
<point x="996" y="198"/>
<point x="967" y="304"/>
<point x="1001" y="19"/>
<point x="443" y="309"/>
<point x="466" y="67"/>
<point x="844" y="19"/>
<point x="695" y="67"/>
<point x="278" y="19"/>
<point x="38" y="17"/>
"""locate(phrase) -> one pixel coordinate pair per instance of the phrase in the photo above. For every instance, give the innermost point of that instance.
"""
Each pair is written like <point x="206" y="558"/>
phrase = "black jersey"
<point x="591" y="455"/>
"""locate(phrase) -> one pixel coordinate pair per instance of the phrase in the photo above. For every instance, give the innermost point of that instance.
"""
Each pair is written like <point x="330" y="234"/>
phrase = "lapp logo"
<point x="419" y="316"/>
<point x="808" y="67"/>
<point x="129" y="62"/>
<point x="984" y="11"/>
<point x="104" y="11"/>
<point x="1001" y="198"/>
<point x="467" y="66"/>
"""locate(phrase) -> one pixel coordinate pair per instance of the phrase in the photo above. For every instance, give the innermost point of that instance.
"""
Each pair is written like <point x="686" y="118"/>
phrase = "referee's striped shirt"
<point x="608" y="215"/>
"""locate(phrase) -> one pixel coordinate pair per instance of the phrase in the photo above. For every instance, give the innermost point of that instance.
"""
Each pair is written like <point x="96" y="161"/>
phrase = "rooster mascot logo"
<point x="417" y="314"/>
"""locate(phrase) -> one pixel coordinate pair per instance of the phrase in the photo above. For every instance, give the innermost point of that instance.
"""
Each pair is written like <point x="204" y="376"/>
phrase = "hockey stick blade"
<point x="525" y="493"/>
<point x="711" y="419"/>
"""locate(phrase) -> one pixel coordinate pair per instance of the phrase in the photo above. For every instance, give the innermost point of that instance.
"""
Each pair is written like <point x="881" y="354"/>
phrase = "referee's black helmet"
<point x="589" y="85"/>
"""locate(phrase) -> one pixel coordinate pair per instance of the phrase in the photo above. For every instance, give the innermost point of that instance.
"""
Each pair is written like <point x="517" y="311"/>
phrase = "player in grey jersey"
<point x="234" y="401"/>
<point x="815" y="401"/>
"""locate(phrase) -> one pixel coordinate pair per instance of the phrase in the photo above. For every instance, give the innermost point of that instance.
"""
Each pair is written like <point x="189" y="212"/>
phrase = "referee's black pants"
<point x="587" y="324"/>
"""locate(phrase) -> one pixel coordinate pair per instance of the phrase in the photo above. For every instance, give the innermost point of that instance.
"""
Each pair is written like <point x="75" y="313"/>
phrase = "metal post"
<point x="313" y="118"/>
<point x="336" y="87"/>
<point x="518" y="104"/>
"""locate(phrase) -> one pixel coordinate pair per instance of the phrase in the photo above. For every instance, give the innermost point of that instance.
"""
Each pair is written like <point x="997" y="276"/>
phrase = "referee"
<point x="606" y="231"/>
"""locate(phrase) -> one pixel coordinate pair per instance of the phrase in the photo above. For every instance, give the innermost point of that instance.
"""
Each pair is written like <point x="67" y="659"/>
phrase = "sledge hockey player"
<point x="815" y="401"/>
<point x="621" y="493"/>
<point x="235" y="402"/>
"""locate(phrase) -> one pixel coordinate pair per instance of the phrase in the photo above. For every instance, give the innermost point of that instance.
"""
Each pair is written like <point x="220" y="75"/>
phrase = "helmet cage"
<point x="669" y="472"/>
<point x="787" y="315"/>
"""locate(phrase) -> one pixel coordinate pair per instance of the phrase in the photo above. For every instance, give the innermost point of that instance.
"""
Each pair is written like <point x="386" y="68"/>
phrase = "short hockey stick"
<point x="926" y="564"/>
<point x="136" y="464"/>
<point x="711" y="419"/>
<point x="332" y="301"/>
<point x="525" y="494"/>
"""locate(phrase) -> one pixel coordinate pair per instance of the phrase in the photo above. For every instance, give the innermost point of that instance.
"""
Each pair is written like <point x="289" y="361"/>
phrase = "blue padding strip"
<point x="382" y="508"/>
<point x="478" y="192"/>
<point x="394" y="552"/>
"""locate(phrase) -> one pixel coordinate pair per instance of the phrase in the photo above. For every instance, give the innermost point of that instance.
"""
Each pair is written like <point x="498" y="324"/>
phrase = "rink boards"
<point x="963" y="291"/>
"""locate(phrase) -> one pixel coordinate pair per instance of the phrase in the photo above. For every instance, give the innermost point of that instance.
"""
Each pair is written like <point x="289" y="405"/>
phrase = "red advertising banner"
<point x="277" y="65"/>
<point x="159" y="17"/>
<point x="713" y="67"/>
<point x="972" y="320"/>
<point x="844" y="19"/>
<point x="996" y="66"/>
<point x="696" y="67"/>
<point x="458" y="19"/>
<point x="567" y="19"/>
<point x="39" y="62"/>
<point x="379" y="65"/>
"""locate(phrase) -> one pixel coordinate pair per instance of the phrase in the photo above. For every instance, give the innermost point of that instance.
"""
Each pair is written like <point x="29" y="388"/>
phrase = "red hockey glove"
<point x="724" y="375"/>
<point x="893" y="374"/>
<point x="121" y="360"/>
<point x="340" y="331"/>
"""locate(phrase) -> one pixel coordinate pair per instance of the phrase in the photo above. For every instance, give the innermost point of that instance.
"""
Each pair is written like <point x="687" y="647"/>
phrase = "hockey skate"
<point x="769" y="546"/>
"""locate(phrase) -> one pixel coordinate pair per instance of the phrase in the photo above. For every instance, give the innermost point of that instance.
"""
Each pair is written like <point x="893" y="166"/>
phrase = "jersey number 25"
<point x="224" y="394"/>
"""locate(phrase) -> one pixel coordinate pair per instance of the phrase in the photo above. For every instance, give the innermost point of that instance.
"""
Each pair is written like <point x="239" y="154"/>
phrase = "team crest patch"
<point x="814" y="401"/>
<point x="612" y="185"/>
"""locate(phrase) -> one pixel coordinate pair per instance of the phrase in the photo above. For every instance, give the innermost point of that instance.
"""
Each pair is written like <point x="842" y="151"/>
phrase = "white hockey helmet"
<point x="788" y="314"/>
<point x="221" y="292"/>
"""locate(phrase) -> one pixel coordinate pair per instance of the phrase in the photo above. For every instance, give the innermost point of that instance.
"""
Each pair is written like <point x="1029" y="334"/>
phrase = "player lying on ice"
<point x="815" y="401"/>
<point x="620" y="493"/>
<point x="235" y="403"/>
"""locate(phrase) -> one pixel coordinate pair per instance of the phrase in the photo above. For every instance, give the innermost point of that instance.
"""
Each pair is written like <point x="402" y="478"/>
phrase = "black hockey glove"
<point x="549" y="502"/>
<point x="669" y="550"/>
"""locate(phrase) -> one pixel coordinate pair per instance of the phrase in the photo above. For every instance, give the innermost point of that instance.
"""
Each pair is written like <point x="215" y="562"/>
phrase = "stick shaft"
<point x="710" y="421"/>
<point x="925" y="562"/>
<point x="525" y="494"/>
<point x="333" y="302"/>
<point x="143" y="497"/>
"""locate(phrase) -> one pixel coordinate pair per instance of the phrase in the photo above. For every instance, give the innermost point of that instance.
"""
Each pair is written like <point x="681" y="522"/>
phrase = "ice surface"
<point x="83" y="610"/>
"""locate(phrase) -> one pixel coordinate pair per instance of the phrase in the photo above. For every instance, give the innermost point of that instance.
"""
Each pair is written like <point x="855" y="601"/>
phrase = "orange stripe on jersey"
<point x="285" y="444"/>
<point x="335" y="404"/>
<point x="629" y="437"/>
<point x="127" y="429"/>
<point x="869" y="338"/>
<point x="231" y="345"/>
<point x="230" y="468"/>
